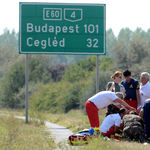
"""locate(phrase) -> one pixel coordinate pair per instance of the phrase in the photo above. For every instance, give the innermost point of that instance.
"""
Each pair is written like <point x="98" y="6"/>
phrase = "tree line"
<point x="59" y="83"/>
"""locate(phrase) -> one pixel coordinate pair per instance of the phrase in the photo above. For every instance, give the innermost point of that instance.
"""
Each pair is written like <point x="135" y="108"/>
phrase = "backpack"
<point x="81" y="137"/>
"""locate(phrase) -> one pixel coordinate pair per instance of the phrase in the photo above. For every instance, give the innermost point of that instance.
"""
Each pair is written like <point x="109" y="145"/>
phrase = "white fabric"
<point x="109" y="121"/>
<point x="144" y="93"/>
<point x="103" y="99"/>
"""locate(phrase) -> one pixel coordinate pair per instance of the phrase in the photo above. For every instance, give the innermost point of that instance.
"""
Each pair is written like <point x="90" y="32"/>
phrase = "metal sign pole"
<point x="26" y="83"/>
<point x="97" y="73"/>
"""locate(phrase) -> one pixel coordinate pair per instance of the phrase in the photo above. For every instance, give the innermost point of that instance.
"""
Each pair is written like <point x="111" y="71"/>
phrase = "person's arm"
<point x="116" y="129"/>
<point x="124" y="92"/>
<point x="118" y="106"/>
<point x="110" y="86"/>
<point x="118" y="100"/>
<point x="138" y="96"/>
<point x="141" y="114"/>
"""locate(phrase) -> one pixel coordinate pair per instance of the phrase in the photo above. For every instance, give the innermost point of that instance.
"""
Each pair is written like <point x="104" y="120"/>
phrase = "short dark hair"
<point x="126" y="73"/>
<point x="122" y="111"/>
<point x="133" y="112"/>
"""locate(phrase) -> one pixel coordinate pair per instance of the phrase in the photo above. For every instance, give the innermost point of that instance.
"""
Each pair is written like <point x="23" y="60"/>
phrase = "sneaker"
<point x="145" y="143"/>
<point x="106" y="138"/>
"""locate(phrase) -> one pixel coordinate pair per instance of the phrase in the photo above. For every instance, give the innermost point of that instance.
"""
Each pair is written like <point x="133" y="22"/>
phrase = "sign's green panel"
<point x="62" y="28"/>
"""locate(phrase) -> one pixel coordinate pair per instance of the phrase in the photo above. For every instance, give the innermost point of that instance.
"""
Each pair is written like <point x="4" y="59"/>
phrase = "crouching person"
<point x="112" y="124"/>
<point x="133" y="127"/>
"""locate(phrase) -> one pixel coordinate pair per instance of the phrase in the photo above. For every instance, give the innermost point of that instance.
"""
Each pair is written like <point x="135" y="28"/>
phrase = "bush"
<point x="57" y="71"/>
<point x="104" y="78"/>
<point x="80" y="70"/>
<point x="14" y="80"/>
<point x="58" y="97"/>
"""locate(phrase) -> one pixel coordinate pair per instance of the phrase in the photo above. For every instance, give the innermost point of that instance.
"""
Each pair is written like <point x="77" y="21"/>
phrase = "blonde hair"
<point x="116" y="74"/>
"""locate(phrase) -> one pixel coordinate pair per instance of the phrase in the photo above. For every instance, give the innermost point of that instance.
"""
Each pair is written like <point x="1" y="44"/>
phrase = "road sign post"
<point x="68" y="29"/>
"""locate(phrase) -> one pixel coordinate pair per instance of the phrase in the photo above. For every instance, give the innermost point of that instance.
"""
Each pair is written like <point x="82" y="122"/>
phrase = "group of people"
<point x="128" y="107"/>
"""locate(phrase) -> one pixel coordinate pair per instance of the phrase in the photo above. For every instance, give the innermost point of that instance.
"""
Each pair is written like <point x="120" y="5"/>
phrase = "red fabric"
<point x="111" y="131"/>
<point x="92" y="112"/>
<point x="132" y="103"/>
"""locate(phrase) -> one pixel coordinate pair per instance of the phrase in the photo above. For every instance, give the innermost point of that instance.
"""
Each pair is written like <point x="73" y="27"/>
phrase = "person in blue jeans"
<point x="144" y="112"/>
<point x="146" y="115"/>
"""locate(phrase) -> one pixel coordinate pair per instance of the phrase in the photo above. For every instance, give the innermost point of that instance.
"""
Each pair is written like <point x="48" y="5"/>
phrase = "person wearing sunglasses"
<point x="115" y="86"/>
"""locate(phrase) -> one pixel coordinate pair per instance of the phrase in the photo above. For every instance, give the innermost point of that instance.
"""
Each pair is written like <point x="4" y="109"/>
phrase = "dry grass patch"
<point x="15" y="134"/>
<point x="101" y="144"/>
<point x="75" y="120"/>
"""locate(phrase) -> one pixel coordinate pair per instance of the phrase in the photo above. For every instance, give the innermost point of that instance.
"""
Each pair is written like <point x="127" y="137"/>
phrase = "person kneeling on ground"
<point x="101" y="100"/>
<point x="112" y="123"/>
<point x="133" y="127"/>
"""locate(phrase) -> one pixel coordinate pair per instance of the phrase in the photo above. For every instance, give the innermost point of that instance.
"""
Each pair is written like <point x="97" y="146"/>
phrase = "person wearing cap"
<point x="144" y="87"/>
<point x="99" y="101"/>
<point x="115" y="86"/>
<point x="132" y="89"/>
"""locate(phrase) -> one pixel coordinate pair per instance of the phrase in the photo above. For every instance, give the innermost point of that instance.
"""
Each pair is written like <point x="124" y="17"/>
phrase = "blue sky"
<point x="119" y="13"/>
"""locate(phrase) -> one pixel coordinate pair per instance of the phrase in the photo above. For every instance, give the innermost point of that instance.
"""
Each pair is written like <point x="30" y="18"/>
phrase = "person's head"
<point x="119" y="94"/>
<point x="133" y="112"/>
<point x="144" y="77"/>
<point x="122" y="112"/>
<point x="127" y="75"/>
<point x="117" y="76"/>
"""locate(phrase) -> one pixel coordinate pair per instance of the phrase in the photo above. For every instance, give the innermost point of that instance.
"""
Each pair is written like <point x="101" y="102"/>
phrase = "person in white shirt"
<point x="101" y="100"/>
<point x="144" y="88"/>
<point x="112" y="123"/>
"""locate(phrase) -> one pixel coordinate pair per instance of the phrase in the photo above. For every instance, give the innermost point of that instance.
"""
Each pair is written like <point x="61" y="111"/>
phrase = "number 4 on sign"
<point x="73" y="15"/>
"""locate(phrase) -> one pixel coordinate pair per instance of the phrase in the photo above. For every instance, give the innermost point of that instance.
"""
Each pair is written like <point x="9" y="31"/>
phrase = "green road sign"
<point x="62" y="28"/>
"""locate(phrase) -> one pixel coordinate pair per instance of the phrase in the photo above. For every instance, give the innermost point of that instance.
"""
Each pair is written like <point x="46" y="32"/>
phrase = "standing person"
<point x="132" y="89"/>
<point x="115" y="86"/>
<point x="98" y="101"/>
<point x="144" y="87"/>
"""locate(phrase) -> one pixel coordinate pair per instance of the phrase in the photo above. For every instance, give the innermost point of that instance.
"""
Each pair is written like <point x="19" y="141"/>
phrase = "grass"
<point x="75" y="120"/>
<point x="101" y="144"/>
<point x="15" y="134"/>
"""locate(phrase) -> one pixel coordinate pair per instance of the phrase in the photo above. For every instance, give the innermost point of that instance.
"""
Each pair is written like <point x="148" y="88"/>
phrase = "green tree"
<point x="14" y="80"/>
<point x="104" y="78"/>
<point x="125" y="35"/>
<point x="120" y="56"/>
<point x="80" y="70"/>
<point x="110" y="42"/>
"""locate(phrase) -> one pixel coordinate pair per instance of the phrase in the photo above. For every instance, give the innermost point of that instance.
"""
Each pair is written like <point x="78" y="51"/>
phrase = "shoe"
<point x="145" y="143"/>
<point x="106" y="138"/>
